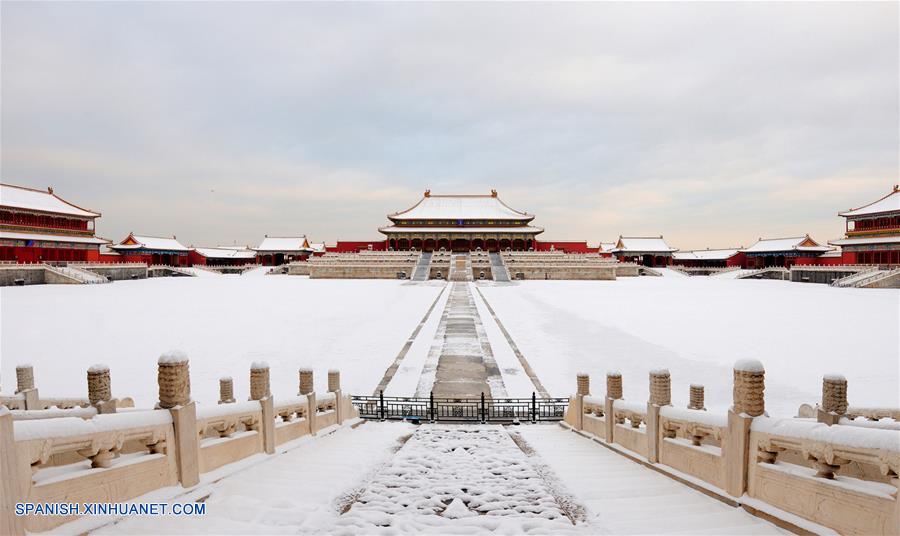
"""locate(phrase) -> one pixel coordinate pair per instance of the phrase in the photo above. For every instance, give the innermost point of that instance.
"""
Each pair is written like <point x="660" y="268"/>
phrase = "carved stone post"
<point x="749" y="388"/>
<point x="226" y="390"/>
<point x="268" y="424"/>
<point x="696" y="397"/>
<point x="660" y="387"/>
<point x="99" y="390"/>
<point x="311" y="412"/>
<point x="748" y="402"/>
<point x="334" y="380"/>
<point x="306" y="382"/>
<point x="660" y="395"/>
<point x="11" y="491"/>
<point x="174" y="379"/>
<point x="259" y="380"/>
<point x="175" y="395"/>
<point x="834" y="399"/>
<point x="613" y="393"/>
<point x="24" y="378"/>
<point x="25" y="386"/>
<point x="584" y="384"/>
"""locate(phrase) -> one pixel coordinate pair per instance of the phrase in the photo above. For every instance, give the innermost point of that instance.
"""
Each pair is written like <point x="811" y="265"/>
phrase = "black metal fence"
<point x="481" y="410"/>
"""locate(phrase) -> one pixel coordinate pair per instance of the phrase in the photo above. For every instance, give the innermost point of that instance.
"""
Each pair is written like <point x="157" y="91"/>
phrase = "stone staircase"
<point x="853" y="279"/>
<point x="460" y="269"/>
<point x="422" y="267"/>
<point x="165" y="270"/>
<point x="875" y="278"/>
<point x="772" y="272"/>
<point x="78" y="274"/>
<point x="498" y="269"/>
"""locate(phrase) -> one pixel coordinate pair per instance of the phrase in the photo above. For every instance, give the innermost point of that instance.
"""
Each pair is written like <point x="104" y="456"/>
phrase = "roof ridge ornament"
<point x="493" y="193"/>
<point x="428" y="193"/>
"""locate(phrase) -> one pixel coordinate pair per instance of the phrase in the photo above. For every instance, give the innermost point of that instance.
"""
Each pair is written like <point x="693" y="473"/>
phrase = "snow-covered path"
<point x="463" y="364"/>
<point x="623" y="497"/>
<point x="459" y="479"/>
<point x="300" y="491"/>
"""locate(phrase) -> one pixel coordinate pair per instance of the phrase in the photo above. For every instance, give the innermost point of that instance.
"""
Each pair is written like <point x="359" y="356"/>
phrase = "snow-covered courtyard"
<point x="223" y="323"/>
<point x="696" y="327"/>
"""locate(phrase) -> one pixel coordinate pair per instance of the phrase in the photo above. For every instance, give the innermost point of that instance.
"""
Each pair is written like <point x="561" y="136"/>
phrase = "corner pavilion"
<point x="461" y="223"/>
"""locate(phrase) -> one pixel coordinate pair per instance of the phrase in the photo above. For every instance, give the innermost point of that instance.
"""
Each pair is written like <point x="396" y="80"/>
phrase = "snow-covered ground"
<point x="300" y="491"/>
<point x="223" y="323"/>
<point x="697" y="327"/>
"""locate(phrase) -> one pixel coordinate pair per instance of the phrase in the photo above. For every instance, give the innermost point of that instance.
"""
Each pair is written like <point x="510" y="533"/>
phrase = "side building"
<point x="711" y="258"/>
<point x="152" y="250"/>
<point x="278" y="250"/>
<point x="39" y="226"/>
<point x="221" y="256"/>
<point x="872" y="233"/>
<point x="461" y="223"/>
<point x="647" y="251"/>
<point x="784" y="252"/>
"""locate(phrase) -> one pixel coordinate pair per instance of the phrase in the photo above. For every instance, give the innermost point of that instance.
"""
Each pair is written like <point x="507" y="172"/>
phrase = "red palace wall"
<point x="823" y="261"/>
<point x="171" y="259"/>
<point x="350" y="246"/>
<point x="566" y="246"/>
<point x="24" y="254"/>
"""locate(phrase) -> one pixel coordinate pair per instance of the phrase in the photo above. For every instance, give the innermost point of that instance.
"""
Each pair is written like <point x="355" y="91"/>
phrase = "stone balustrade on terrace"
<point x="834" y="465"/>
<point x="101" y="449"/>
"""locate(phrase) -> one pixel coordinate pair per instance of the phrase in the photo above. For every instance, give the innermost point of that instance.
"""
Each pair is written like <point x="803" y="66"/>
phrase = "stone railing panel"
<point x="40" y="443"/>
<point x="806" y="468"/>
<point x="633" y="435"/>
<point x="229" y="432"/>
<point x="692" y="442"/>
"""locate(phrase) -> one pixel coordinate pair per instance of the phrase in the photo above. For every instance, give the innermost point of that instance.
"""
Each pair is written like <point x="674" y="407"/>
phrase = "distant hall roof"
<point x="226" y="253"/>
<point x="706" y="254"/>
<point x="284" y="243"/>
<point x="133" y="241"/>
<point x="460" y="207"/>
<point x="40" y="200"/>
<point x="798" y="243"/>
<point x="642" y="244"/>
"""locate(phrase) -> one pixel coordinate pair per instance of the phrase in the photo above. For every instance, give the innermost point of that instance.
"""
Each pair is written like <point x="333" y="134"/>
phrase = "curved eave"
<point x="89" y="216"/>
<point x="395" y="216"/>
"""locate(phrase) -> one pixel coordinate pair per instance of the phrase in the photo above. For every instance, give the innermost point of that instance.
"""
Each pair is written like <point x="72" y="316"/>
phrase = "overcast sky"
<point x="712" y="124"/>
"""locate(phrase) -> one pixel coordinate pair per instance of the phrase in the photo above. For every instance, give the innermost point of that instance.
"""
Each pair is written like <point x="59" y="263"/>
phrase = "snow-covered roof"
<point x="317" y="247"/>
<point x="642" y="244"/>
<point x="607" y="246"/>
<point x="705" y="254"/>
<point x="284" y="243"/>
<point x="133" y="241"/>
<point x="53" y="238"/>
<point x="40" y="200"/>
<point x="888" y="203"/>
<point x="460" y="207"/>
<point x="226" y="253"/>
<point x="798" y="243"/>
<point x="519" y="229"/>
<point x="864" y="241"/>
